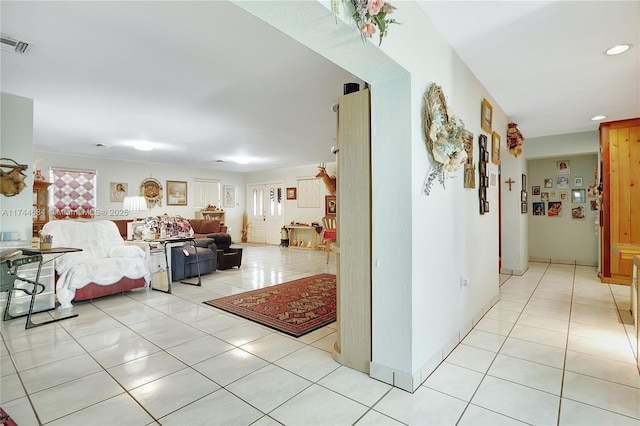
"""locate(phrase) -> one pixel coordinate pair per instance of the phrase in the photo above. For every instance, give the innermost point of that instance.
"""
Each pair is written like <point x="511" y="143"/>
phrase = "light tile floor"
<point x="555" y="349"/>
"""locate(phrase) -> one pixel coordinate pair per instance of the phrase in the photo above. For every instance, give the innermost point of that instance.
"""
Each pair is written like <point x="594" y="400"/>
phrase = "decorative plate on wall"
<point x="151" y="190"/>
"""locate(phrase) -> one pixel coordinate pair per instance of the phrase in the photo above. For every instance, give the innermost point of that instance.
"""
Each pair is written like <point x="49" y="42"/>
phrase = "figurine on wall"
<point x="514" y="140"/>
<point x="329" y="181"/>
<point x="13" y="178"/>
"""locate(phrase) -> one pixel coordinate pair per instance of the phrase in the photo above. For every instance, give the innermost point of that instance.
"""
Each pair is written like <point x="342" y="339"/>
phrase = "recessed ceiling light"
<point x="598" y="117"/>
<point x="618" y="49"/>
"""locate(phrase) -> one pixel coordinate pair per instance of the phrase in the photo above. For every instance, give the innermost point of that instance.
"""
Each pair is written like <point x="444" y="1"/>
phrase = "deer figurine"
<point x="329" y="181"/>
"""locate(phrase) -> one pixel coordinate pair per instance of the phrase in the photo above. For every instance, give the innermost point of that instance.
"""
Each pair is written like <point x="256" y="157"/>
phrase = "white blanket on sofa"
<point x="105" y="258"/>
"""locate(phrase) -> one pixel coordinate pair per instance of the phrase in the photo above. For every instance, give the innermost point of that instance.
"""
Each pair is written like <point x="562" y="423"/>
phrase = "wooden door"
<point x="620" y="207"/>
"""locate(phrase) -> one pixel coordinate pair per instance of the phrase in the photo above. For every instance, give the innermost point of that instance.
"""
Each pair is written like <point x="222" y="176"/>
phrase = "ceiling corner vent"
<point x="13" y="45"/>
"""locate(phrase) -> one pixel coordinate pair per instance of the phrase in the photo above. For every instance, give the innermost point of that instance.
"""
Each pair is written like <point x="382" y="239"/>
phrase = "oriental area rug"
<point x="295" y="308"/>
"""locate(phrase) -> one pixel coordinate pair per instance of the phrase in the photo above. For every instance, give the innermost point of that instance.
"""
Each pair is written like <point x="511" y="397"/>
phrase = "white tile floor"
<point x="554" y="350"/>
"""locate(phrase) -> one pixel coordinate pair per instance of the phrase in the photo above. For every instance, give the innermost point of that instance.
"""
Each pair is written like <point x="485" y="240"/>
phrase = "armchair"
<point x="106" y="265"/>
<point x="228" y="257"/>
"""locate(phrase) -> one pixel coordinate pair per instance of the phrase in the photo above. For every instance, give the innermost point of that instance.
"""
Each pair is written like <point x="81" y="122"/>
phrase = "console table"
<point x="307" y="233"/>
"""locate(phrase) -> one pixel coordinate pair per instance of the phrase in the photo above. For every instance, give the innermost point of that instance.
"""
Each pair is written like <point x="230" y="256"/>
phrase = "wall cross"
<point x="510" y="182"/>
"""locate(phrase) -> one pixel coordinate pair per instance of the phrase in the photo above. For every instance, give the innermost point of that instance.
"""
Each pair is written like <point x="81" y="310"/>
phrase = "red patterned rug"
<point x="296" y="308"/>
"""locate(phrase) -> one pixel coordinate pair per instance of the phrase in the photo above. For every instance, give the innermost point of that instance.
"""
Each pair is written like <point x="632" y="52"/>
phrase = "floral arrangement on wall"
<point x="444" y="134"/>
<point x="514" y="140"/>
<point x="371" y="16"/>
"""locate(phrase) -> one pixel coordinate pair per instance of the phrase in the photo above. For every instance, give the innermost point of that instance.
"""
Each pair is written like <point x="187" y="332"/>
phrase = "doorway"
<point x="265" y="214"/>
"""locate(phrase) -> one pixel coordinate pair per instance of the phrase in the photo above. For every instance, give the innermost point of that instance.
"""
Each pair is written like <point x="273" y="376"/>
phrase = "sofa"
<point x="106" y="265"/>
<point x="183" y="259"/>
<point x="202" y="228"/>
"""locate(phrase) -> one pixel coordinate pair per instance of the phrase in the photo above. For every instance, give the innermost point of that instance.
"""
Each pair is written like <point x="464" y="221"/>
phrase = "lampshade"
<point x="135" y="203"/>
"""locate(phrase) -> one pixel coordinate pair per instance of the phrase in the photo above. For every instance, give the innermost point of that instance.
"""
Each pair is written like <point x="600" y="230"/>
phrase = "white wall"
<point x="293" y="213"/>
<point x="133" y="173"/>
<point x="16" y="143"/>
<point x="421" y="245"/>
<point x="563" y="239"/>
<point x="559" y="145"/>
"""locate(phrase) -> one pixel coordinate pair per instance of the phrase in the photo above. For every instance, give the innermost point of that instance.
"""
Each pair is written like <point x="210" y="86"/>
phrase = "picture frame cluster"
<point x="483" y="175"/>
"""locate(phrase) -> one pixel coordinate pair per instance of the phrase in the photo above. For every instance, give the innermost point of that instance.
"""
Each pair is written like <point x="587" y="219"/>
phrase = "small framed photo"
<point x="524" y="182"/>
<point x="564" y="196"/>
<point x="562" y="182"/>
<point x="524" y="208"/>
<point x="577" y="181"/>
<point x="495" y="148"/>
<point x="118" y="190"/>
<point x="538" y="209"/>
<point x="544" y="196"/>
<point x="487" y="116"/>
<point x="554" y="208"/>
<point x="578" y="196"/>
<point x="523" y="196"/>
<point x="292" y="193"/>
<point x="486" y="206"/>
<point x="563" y="167"/>
<point x="593" y="204"/>
<point x="552" y="194"/>
<point x="577" y="212"/>
<point x="493" y="179"/>
<point x="229" y="193"/>
<point x="176" y="193"/>
<point x="330" y="205"/>
<point x="548" y="182"/>
<point x="535" y="190"/>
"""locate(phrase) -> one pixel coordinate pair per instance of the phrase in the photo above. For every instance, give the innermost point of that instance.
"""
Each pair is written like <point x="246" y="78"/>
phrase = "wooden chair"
<point x="329" y="234"/>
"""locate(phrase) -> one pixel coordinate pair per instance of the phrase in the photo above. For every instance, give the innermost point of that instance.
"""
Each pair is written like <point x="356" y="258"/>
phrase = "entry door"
<point x="266" y="216"/>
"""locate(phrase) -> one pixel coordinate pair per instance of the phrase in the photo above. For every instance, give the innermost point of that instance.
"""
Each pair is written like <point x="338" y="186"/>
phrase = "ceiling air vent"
<point x="11" y="44"/>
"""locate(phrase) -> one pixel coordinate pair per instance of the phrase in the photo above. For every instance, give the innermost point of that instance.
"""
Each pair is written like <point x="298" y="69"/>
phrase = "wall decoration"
<point x="523" y="196"/>
<point x="563" y="167"/>
<point x="564" y="195"/>
<point x="370" y="17"/>
<point x="493" y="179"/>
<point x="117" y="191"/>
<point x="292" y="193"/>
<point x="176" y="193"/>
<point x="469" y="166"/>
<point x="593" y="205"/>
<point x="578" y="196"/>
<point x="229" y="194"/>
<point x="555" y="208"/>
<point x="562" y="182"/>
<point x="483" y="177"/>
<point x="577" y="181"/>
<point x="330" y="205"/>
<point x="11" y="177"/>
<point x="538" y="209"/>
<point x="544" y="196"/>
<point x="548" y="182"/>
<point x="514" y="139"/>
<point x="151" y="189"/>
<point x="524" y="208"/>
<point x="495" y="148"/>
<point x="329" y="181"/>
<point x="535" y="190"/>
<point x="577" y="212"/>
<point x="524" y="182"/>
<point x="444" y="134"/>
<point x="552" y="195"/>
<point x="486" y="115"/>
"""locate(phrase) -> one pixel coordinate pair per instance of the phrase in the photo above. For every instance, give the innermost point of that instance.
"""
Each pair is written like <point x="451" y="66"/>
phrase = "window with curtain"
<point x="207" y="193"/>
<point x="73" y="193"/>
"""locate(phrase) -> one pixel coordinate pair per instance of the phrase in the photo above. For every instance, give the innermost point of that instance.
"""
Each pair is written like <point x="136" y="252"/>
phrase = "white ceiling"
<point x="204" y="89"/>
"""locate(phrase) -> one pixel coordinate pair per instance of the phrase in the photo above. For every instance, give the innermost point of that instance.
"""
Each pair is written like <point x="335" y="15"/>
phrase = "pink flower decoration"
<point x="369" y="29"/>
<point x="375" y="6"/>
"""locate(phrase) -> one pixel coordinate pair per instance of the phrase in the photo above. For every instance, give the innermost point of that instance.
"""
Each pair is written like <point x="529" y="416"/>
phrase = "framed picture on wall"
<point x="535" y="190"/>
<point x="524" y="208"/>
<point x="176" y="193"/>
<point x="578" y="196"/>
<point x="330" y="205"/>
<point x="563" y="167"/>
<point x="538" y="209"/>
<point x="495" y="148"/>
<point x="487" y="116"/>
<point x="292" y="193"/>
<point x="229" y="194"/>
<point x="118" y="190"/>
<point x="523" y="196"/>
<point x="548" y="182"/>
<point x="577" y="181"/>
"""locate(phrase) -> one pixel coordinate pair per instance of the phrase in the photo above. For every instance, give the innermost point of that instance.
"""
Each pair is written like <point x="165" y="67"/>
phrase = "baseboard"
<point x="578" y="262"/>
<point x="411" y="382"/>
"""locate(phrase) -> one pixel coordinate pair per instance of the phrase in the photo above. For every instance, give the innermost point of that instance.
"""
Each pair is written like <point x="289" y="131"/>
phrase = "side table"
<point x="167" y="243"/>
<point x="12" y="266"/>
